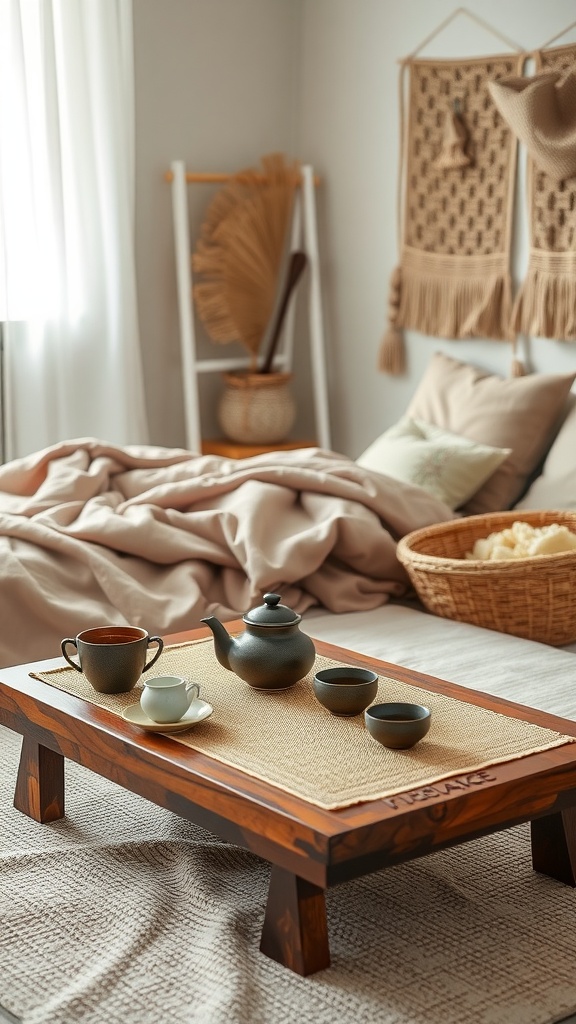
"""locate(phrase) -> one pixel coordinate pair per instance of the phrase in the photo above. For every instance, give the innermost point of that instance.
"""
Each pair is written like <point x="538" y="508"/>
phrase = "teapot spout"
<point x="222" y="640"/>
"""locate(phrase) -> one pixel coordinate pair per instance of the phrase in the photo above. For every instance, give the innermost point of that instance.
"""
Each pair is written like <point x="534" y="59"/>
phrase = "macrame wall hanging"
<point x="457" y="175"/>
<point x="457" y="171"/>
<point x="542" y="111"/>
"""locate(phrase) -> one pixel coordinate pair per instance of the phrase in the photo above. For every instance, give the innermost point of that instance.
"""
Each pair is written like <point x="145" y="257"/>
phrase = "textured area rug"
<point x="122" y="913"/>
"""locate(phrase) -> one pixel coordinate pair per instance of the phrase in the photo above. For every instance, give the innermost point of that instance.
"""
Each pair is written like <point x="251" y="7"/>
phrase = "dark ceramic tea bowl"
<point x="345" y="691"/>
<point x="397" y="725"/>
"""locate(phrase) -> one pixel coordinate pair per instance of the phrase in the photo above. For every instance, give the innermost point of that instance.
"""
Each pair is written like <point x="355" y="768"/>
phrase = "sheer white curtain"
<point x="67" y="267"/>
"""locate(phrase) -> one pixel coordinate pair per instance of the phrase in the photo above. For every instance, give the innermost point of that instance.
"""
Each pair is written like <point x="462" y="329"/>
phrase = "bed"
<point x="91" y="532"/>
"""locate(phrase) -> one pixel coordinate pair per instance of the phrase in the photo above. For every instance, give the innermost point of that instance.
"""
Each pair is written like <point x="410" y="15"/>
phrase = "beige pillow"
<point x="556" y="487"/>
<point x="550" y="493"/>
<point x="561" y="458"/>
<point x="520" y="413"/>
<point x="447" y="466"/>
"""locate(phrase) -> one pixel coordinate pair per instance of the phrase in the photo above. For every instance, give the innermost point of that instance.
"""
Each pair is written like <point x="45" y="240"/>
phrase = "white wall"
<point x="216" y="86"/>
<point x="221" y="82"/>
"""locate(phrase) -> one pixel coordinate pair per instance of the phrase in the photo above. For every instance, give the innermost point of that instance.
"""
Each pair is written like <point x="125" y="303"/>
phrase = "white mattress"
<point x="520" y="670"/>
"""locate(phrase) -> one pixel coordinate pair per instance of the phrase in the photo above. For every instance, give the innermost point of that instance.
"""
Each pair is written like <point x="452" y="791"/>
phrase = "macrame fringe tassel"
<point x="451" y="306"/>
<point x="546" y="306"/>
<point x="392" y="356"/>
<point x="517" y="368"/>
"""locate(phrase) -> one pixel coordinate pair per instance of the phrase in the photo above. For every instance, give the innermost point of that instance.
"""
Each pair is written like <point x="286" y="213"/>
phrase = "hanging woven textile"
<point x="457" y="176"/>
<point x="543" y="114"/>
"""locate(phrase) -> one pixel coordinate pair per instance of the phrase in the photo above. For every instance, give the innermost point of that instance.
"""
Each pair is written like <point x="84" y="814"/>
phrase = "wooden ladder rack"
<point x="304" y="236"/>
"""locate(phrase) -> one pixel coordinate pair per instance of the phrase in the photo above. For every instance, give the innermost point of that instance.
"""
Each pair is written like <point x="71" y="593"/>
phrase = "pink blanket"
<point x="91" y="533"/>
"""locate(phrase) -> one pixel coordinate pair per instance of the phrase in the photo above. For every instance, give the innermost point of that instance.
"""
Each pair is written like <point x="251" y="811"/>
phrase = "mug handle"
<point x="63" y="645"/>
<point x="151" y="640"/>
<point x="192" y="692"/>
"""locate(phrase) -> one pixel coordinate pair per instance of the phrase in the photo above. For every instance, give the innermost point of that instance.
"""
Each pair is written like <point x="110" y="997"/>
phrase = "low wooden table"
<point x="309" y="848"/>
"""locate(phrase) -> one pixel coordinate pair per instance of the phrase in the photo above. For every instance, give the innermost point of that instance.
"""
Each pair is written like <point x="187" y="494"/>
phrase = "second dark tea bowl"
<point x="398" y="725"/>
<point x="345" y="691"/>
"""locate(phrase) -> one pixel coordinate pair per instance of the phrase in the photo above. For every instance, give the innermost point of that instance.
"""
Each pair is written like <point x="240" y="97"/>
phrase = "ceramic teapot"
<point x="272" y="653"/>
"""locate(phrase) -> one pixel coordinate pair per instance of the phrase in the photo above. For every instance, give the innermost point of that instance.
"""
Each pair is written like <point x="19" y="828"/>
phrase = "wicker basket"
<point x="534" y="598"/>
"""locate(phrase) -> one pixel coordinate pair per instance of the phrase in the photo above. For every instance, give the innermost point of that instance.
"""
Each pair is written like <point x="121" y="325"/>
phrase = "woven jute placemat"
<point x="287" y="738"/>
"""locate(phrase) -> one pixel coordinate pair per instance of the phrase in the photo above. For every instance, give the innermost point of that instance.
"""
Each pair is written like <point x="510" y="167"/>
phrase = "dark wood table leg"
<point x="295" y="931"/>
<point x="40" y="784"/>
<point x="554" y="845"/>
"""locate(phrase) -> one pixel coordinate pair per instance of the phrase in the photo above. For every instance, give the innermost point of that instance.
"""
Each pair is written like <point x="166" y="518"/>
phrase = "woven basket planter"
<point x="257" y="408"/>
<point x="534" y="598"/>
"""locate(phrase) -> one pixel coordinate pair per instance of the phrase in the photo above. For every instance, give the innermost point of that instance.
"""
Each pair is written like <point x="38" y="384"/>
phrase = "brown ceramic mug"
<point x="112" y="657"/>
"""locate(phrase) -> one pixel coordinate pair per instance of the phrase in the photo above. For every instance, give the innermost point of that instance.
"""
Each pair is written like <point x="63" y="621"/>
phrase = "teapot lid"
<point x="272" y="613"/>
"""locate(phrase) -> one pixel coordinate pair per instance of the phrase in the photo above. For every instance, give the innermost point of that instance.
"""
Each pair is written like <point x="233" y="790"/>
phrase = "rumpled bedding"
<point x="93" y="533"/>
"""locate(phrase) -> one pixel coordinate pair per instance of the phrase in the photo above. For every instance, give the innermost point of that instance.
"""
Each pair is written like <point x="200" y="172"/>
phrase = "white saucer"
<point x="197" y="712"/>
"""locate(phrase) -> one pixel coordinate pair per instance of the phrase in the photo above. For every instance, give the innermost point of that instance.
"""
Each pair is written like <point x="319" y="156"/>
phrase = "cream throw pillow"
<point x="521" y="413"/>
<point x="447" y="466"/>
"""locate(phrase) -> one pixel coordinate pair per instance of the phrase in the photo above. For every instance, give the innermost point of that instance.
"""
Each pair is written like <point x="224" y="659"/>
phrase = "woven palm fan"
<point x="241" y="251"/>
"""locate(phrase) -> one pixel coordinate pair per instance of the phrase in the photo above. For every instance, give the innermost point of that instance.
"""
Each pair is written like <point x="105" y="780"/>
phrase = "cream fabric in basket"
<point x="448" y="466"/>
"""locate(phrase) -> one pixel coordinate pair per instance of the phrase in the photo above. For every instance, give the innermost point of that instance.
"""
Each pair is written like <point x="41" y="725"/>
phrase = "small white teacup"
<point x="167" y="698"/>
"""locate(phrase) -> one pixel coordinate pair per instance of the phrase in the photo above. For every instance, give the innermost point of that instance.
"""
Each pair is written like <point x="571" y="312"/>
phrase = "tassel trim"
<point x="456" y="297"/>
<point x="545" y="307"/>
<point x="392" y="356"/>
<point x="517" y="368"/>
